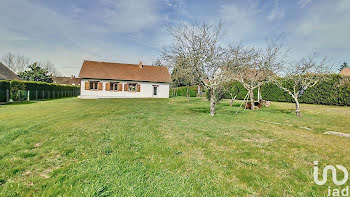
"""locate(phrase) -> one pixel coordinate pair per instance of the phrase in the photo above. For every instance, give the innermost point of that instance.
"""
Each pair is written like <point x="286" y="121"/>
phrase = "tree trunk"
<point x="188" y="93"/>
<point x="297" y="107"/>
<point x="232" y="99"/>
<point x="251" y="95"/>
<point x="198" y="91"/>
<point x="212" y="102"/>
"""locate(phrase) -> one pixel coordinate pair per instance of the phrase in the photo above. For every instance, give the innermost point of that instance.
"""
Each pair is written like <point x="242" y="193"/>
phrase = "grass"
<point x="166" y="147"/>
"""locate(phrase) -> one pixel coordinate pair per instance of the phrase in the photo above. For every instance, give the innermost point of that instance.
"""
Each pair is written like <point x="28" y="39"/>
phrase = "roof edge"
<point x="126" y="80"/>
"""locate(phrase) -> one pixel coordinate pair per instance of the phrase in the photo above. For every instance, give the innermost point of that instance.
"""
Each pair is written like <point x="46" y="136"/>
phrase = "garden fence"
<point x="28" y="95"/>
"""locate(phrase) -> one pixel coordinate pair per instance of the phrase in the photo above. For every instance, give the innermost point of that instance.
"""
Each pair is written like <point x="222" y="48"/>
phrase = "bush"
<point x="4" y="86"/>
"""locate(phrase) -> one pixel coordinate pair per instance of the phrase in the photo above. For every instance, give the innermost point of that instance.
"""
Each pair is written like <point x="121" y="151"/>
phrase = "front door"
<point x="155" y="91"/>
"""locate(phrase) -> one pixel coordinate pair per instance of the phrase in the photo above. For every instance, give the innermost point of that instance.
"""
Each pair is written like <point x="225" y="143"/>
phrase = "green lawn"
<point x="166" y="147"/>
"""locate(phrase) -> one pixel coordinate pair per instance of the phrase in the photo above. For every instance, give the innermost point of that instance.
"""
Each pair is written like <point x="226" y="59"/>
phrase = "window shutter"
<point x="120" y="87"/>
<point x="87" y="85"/>
<point x="138" y="87"/>
<point x="108" y="86"/>
<point x="99" y="85"/>
<point x="126" y="87"/>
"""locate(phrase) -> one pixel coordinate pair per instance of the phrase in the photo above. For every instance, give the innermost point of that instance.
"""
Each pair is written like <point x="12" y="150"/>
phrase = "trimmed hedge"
<point x="4" y="86"/>
<point x="334" y="91"/>
<point x="18" y="90"/>
<point x="182" y="91"/>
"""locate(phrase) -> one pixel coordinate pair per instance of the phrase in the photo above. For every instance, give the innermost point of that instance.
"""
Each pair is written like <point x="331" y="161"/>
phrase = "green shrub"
<point x="4" y="86"/>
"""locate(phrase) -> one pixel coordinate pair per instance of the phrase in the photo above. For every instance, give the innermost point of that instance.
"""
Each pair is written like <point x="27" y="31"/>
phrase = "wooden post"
<point x="28" y="95"/>
<point x="199" y="91"/>
<point x="259" y="94"/>
<point x="7" y="95"/>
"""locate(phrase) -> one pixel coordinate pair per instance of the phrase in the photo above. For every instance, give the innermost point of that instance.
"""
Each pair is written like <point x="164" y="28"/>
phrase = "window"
<point x="132" y="87"/>
<point x="114" y="86"/>
<point x="93" y="85"/>
<point x="155" y="90"/>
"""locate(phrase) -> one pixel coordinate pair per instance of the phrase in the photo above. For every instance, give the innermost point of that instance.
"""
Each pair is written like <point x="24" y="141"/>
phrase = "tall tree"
<point x="158" y="62"/>
<point x="36" y="73"/>
<point x="50" y="67"/>
<point x="197" y="46"/>
<point x="302" y="75"/>
<point x="182" y="74"/>
<point x="15" y="62"/>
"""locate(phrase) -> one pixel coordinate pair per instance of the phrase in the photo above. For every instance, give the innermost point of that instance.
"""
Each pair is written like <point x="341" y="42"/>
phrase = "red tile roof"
<point x="345" y="72"/>
<point x="66" y="80"/>
<point x="120" y="71"/>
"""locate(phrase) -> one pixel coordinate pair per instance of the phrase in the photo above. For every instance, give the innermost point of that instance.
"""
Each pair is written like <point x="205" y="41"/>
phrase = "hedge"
<point x="334" y="91"/>
<point x="4" y="87"/>
<point x="40" y="90"/>
<point x="182" y="91"/>
<point x="18" y="90"/>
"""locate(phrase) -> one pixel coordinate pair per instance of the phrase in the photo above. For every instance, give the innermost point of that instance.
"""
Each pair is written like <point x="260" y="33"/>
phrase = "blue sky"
<point x="67" y="32"/>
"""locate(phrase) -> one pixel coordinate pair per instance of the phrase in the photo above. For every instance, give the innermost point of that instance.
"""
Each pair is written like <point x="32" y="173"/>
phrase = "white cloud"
<point x="277" y="12"/>
<point x="238" y="22"/>
<point x="325" y="33"/>
<point x="132" y="15"/>
<point x="41" y="33"/>
<point x="303" y="3"/>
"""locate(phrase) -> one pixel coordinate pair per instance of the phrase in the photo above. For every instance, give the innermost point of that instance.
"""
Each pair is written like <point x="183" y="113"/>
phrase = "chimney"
<point x="140" y="64"/>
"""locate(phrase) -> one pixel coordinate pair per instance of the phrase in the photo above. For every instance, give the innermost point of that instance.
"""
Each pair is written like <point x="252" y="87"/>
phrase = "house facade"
<point x="117" y="80"/>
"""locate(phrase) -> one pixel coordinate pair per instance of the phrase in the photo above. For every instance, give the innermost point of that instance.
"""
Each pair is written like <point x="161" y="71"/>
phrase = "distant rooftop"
<point x="345" y="72"/>
<point x="7" y="74"/>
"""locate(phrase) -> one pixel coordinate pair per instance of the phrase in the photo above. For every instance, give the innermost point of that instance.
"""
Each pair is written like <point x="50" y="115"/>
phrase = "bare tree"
<point x="302" y="75"/>
<point x="197" y="45"/>
<point x="182" y="74"/>
<point x="253" y="67"/>
<point x="158" y="62"/>
<point x="50" y="67"/>
<point x="17" y="63"/>
<point x="231" y="88"/>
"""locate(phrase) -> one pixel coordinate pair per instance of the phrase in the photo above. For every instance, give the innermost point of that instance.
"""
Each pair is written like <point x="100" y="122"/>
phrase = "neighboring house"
<point x="67" y="80"/>
<point x="117" y="80"/>
<point x="7" y="74"/>
<point x="345" y="72"/>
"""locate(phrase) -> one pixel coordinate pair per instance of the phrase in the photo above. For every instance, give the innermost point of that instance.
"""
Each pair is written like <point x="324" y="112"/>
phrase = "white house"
<point x="117" y="80"/>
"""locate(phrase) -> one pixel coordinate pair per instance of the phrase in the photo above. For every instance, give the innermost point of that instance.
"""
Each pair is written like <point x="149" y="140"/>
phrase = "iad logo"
<point x="334" y="192"/>
<point x="334" y="174"/>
